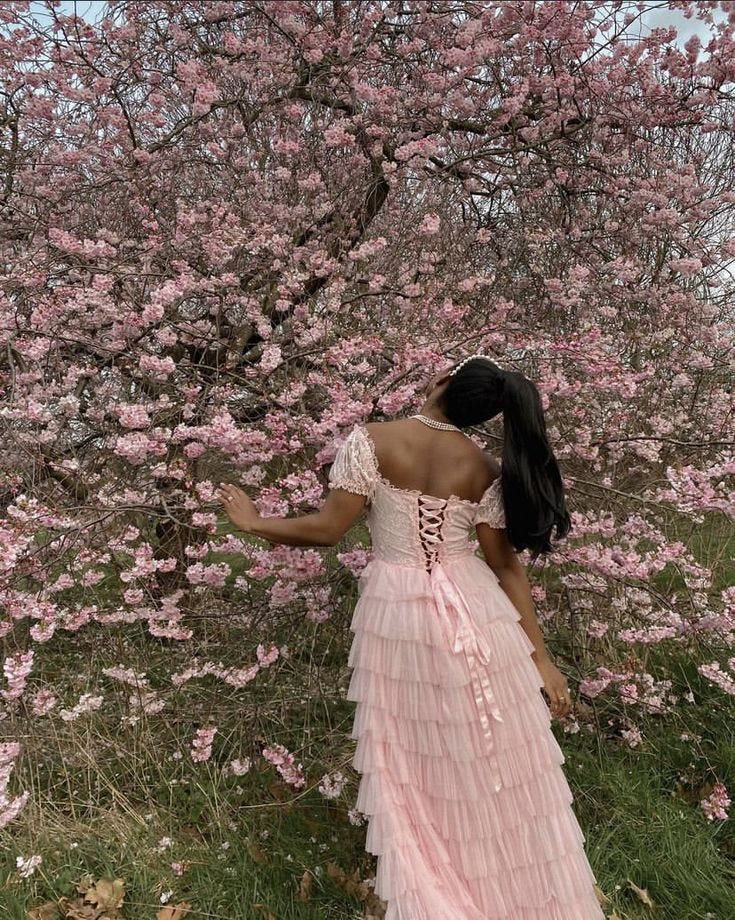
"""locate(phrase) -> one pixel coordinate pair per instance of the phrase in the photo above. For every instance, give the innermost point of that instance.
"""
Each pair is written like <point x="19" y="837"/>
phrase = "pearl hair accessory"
<point x="469" y="358"/>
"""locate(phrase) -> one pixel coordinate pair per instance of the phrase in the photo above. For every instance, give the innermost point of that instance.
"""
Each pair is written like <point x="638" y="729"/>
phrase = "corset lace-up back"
<point x="431" y="513"/>
<point x="407" y="526"/>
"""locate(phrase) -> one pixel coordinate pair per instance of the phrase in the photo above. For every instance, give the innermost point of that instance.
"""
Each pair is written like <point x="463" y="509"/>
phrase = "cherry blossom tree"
<point x="232" y="229"/>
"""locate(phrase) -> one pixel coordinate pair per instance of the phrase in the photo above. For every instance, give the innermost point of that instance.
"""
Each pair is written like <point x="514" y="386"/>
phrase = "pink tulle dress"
<point x="469" y="811"/>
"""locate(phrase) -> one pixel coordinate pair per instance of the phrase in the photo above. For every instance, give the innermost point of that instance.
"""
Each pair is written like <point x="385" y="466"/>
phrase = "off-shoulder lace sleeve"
<point x="490" y="508"/>
<point x="353" y="468"/>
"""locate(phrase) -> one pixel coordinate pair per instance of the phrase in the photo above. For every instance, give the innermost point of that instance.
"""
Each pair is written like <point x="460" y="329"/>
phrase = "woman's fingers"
<point x="228" y="493"/>
<point x="224" y="497"/>
<point x="237" y="505"/>
<point x="561" y="701"/>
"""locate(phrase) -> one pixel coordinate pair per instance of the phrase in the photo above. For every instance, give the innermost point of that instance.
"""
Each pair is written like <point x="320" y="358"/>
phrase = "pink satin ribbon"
<point x="464" y="636"/>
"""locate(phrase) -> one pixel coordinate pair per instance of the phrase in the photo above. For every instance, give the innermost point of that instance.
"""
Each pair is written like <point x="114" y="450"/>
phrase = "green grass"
<point x="250" y="839"/>
<point x="102" y="796"/>
<point x="249" y="860"/>
<point x="641" y="829"/>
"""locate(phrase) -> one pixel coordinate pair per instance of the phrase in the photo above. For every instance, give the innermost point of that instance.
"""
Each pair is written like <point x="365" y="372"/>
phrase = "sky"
<point x="88" y="9"/>
<point x="656" y="16"/>
<point x="659" y="16"/>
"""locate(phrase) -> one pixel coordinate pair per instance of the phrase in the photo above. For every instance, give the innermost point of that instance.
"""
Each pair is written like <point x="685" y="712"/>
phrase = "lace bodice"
<point x="406" y="525"/>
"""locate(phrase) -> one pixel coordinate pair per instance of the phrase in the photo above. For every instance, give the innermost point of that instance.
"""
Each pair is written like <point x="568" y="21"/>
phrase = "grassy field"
<point x="126" y="804"/>
<point x="296" y="855"/>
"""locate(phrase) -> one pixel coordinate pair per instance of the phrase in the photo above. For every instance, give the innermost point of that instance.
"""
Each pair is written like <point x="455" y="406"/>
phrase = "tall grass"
<point x="103" y="794"/>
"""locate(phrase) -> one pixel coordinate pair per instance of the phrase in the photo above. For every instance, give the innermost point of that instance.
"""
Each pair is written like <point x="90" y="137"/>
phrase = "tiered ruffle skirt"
<point x="464" y="828"/>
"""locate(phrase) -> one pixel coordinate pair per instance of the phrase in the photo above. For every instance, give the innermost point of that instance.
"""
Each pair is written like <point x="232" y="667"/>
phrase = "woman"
<point x="469" y="809"/>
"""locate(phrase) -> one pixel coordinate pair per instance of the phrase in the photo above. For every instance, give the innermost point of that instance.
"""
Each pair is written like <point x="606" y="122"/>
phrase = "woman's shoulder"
<point x="392" y="430"/>
<point x="377" y="427"/>
<point x="381" y="433"/>
<point x="493" y="466"/>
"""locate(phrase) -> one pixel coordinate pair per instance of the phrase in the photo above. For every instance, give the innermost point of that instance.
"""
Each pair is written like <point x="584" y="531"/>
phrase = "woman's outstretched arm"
<point x="324" y="527"/>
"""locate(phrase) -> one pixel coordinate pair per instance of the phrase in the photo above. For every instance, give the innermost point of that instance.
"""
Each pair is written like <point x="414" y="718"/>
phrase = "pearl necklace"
<point x="433" y="423"/>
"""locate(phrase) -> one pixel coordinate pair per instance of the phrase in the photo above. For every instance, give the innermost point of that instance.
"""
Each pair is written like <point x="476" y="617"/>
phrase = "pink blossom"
<point x="201" y="746"/>
<point x="319" y="604"/>
<point x="597" y="629"/>
<point x="133" y="596"/>
<point x="158" y="368"/>
<point x="27" y="866"/>
<point x="17" y="669"/>
<point x="632" y="736"/>
<point x="592" y="688"/>
<point x="420" y="149"/>
<point x="715" y="805"/>
<point x="133" y="415"/>
<point x="136" y="448"/>
<point x="43" y="702"/>
<point x="266" y="658"/>
<point x="194" y="449"/>
<point x="206" y="94"/>
<point x="429" y="225"/>
<point x="10" y="808"/>
<point x="87" y="703"/>
<point x="628" y="693"/>
<point x="714" y="673"/>
<point x="283" y="760"/>
<point x="270" y="358"/>
<point x="213" y="575"/>
<point x="331" y="785"/>
<point x="368" y="249"/>
<point x="240" y="767"/>
<point x="686" y="267"/>
<point x="126" y="676"/>
<point x="355" y="817"/>
<point x="153" y="313"/>
<point x="338" y="136"/>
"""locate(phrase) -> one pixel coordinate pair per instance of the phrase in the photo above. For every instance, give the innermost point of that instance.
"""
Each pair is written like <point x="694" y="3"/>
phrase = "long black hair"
<point x="531" y="484"/>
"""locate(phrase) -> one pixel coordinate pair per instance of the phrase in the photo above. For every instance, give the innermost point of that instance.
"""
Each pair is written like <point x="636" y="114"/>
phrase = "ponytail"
<point x="533" y="494"/>
<point x="531" y="483"/>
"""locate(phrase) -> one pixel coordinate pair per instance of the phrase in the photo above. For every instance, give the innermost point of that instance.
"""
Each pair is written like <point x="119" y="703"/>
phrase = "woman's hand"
<point x="239" y="507"/>
<point x="555" y="686"/>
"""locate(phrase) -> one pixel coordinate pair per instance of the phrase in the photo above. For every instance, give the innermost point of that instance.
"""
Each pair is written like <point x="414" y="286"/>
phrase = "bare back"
<point x="442" y="463"/>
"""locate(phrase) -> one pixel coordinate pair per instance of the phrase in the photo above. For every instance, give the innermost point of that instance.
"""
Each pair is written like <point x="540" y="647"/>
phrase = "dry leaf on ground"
<point x="100" y="900"/>
<point x="350" y="883"/>
<point x="304" y="892"/>
<point x="47" y="911"/>
<point x="642" y="894"/>
<point x="256" y="853"/>
<point x="268" y="914"/>
<point x="106" y="894"/>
